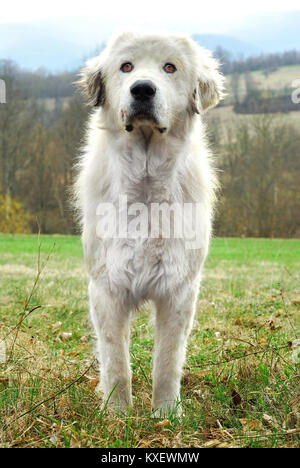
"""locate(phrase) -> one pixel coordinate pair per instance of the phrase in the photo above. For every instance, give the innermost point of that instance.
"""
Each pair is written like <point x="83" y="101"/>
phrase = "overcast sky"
<point x="213" y="16"/>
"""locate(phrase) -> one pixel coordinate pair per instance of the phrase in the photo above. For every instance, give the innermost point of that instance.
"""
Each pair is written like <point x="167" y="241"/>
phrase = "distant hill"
<point x="236" y="47"/>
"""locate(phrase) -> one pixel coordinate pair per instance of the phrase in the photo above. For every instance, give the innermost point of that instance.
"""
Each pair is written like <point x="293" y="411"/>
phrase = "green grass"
<point x="241" y="379"/>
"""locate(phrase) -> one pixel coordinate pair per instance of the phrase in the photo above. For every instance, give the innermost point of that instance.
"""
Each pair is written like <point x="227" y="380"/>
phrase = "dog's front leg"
<point x="174" y="321"/>
<point x="111" y="323"/>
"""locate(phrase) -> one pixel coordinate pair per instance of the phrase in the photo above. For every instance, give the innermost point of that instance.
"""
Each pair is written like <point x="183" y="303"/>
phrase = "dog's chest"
<point x="147" y="268"/>
<point x="145" y="261"/>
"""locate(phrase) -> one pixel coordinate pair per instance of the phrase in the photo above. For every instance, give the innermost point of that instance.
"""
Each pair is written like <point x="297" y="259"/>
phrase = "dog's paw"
<point x="169" y="411"/>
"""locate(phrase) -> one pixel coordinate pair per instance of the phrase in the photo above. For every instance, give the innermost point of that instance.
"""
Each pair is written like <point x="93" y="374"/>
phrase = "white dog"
<point x="146" y="145"/>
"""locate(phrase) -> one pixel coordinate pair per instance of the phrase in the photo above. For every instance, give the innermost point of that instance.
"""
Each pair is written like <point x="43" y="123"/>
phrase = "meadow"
<point x="240" y="386"/>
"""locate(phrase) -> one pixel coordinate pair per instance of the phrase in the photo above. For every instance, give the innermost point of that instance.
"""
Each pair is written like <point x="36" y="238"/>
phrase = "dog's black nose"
<point x="143" y="90"/>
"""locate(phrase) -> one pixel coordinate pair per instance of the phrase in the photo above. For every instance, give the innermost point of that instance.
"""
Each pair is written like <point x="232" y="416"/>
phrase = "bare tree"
<point x="261" y="164"/>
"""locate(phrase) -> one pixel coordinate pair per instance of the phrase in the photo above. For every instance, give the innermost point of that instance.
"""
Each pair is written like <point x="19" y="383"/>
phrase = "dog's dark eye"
<point x="170" y="68"/>
<point x="127" y="67"/>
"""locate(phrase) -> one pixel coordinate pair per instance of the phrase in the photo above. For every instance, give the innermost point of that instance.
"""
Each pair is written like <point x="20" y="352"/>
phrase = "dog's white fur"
<point x="147" y="166"/>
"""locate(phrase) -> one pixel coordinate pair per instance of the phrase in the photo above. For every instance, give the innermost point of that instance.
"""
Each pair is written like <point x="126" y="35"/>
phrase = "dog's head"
<point x="156" y="80"/>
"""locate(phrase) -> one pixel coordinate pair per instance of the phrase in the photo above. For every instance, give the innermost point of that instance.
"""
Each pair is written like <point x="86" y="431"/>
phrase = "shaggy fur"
<point x="161" y="158"/>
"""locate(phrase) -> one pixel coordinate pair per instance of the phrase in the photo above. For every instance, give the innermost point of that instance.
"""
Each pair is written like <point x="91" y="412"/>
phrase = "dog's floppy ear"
<point x="209" y="89"/>
<point x="91" y="82"/>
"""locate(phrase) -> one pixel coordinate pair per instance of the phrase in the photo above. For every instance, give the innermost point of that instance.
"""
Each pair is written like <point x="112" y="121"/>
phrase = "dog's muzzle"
<point x="142" y="105"/>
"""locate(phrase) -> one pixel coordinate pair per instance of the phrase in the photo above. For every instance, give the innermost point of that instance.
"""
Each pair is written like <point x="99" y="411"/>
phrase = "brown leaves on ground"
<point x="162" y="424"/>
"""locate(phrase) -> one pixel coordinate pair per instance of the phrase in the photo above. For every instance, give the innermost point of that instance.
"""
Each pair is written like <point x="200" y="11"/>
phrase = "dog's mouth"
<point x="139" y="117"/>
<point x="142" y="112"/>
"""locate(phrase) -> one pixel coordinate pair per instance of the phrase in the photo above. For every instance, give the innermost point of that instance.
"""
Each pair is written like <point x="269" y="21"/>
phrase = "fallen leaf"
<point x="163" y="423"/>
<point x="74" y="443"/>
<point x="62" y="402"/>
<point x="251" y="424"/>
<point x="93" y="384"/>
<point x="82" y="347"/>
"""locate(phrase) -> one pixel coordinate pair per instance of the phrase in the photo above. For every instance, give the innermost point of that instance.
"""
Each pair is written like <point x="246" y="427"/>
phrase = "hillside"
<point x="279" y="79"/>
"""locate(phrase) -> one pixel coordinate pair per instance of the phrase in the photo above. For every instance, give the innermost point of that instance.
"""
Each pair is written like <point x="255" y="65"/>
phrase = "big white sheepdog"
<point x="145" y="193"/>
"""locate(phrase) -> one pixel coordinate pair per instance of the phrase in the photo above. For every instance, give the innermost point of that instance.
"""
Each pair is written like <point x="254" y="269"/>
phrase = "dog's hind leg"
<point x="111" y="320"/>
<point x="174" y="320"/>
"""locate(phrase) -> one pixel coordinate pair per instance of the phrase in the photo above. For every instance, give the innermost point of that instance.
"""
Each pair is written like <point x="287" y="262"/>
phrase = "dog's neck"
<point x="147" y="166"/>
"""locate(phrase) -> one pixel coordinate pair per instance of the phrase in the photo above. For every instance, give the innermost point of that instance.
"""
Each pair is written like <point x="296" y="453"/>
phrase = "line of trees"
<point x="38" y="147"/>
<point x="266" y="62"/>
<point x="38" y="84"/>
<point x="259" y="169"/>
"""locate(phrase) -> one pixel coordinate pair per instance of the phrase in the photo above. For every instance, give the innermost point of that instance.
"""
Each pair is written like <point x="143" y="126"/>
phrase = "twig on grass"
<point x="242" y="341"/>
<point x="20" y="322"/>
<point x="254" y="353"/>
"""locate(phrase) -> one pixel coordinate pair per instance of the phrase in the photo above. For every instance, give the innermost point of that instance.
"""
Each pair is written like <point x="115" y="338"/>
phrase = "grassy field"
<point x="240" y="383"/>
